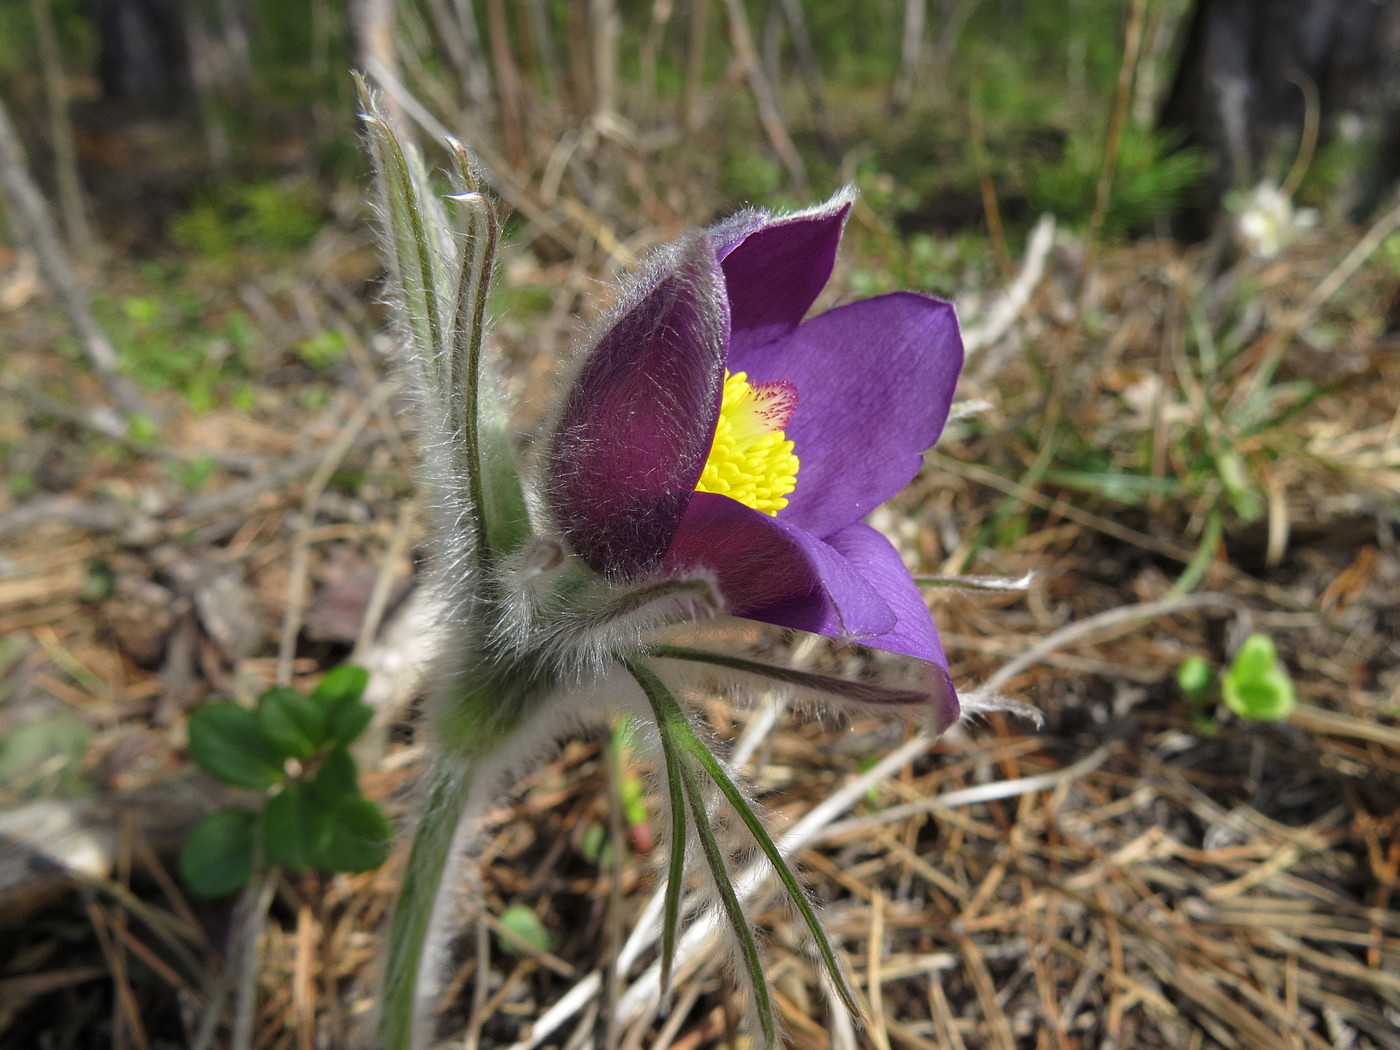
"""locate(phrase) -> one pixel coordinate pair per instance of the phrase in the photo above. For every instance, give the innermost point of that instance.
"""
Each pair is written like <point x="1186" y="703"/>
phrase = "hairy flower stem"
<point x="407" y="981"/>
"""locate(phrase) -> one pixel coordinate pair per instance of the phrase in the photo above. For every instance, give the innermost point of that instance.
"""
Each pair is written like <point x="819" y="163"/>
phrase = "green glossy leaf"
<point x="228" y="745"/>
<point x="338" y="696"/>
<point x="341" y="684"/>
<point x="338" y="778"/>
<point x="294" y="723"/>
<point x="217" y="858"/>
<point x="360" y="837"/>
<point x="296" y="827"/>
<point x="347" y="720"/>
<point x="524" y="927"/>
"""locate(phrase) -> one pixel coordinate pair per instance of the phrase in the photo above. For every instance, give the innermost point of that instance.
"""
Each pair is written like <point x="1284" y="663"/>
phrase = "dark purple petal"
<point x="769" y="570"/>
<point x="874" y="380"/>
<point x="776" y="272"/>
<point x="636" y="427"/>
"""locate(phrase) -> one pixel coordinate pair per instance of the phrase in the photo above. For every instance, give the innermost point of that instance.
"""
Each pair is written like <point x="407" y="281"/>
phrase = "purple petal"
<point x="914" y="633"/>
<point x="874" y="380"/>
<point x="771" y="571"/>
<point x="777" y="271"/>
<point x="879" y="564"/>
<point x="636" y="427"/>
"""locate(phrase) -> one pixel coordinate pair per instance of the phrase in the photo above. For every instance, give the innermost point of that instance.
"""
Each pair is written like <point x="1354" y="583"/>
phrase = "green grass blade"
<point x="1205" y="554"/>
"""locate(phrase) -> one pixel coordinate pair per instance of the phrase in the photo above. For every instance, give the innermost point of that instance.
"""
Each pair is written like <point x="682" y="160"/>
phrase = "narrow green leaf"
<point x="217" y="858"/>
<point x="228" y="745"/>
<point x="360" y="837"/>
<point x="296" y="827"/>
<point x="680" y="834"/>
<point x="1125" y="488"/>
<point x="672" y="718"/>
<point x="857" y="692"/>
<point x="292" y="722"/>
<point x="682" y="781"/>
<point x="734" y="911"/>
<point x="1205" y="554"/>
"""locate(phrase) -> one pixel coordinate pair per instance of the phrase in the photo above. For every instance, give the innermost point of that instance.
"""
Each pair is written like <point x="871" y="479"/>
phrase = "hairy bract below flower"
<point x="712" y="428"/>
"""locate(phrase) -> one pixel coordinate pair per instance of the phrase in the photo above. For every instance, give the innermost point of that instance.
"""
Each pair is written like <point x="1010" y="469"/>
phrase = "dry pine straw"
<point x="1181" y="889"/>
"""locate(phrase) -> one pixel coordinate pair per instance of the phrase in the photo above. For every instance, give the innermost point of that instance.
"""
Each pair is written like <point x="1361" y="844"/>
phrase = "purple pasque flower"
<point x="712" y="430"/>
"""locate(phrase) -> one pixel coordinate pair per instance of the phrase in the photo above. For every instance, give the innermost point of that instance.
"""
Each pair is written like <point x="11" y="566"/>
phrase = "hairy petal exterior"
<point x="637" y="424"/>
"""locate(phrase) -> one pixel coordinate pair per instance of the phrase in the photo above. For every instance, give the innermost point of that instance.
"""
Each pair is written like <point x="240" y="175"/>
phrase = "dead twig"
<point x="32" y="216"/>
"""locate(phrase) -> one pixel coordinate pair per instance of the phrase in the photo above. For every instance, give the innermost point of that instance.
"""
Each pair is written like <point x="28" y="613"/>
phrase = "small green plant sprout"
<point x="293" y="747"/>
<point x="1255" y="686"/>
<point x="521" y="928"/>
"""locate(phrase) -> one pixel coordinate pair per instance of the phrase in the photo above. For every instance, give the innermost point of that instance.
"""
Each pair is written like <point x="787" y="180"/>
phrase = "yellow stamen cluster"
<point x="751" y="460"/>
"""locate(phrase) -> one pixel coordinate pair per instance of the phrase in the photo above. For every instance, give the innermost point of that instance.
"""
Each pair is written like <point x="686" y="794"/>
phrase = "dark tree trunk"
<point x="142" y="50"/>
<point x="1242" y="81"/>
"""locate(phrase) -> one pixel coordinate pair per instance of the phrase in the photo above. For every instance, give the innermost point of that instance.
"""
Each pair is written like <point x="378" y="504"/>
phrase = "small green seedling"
<point x="1255" y="686"/>
<point x="522" y="926"/>
<point x="293" y="747"/>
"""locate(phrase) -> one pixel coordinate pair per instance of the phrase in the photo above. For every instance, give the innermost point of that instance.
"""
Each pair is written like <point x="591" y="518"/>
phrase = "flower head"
<point x="715" y="428"/>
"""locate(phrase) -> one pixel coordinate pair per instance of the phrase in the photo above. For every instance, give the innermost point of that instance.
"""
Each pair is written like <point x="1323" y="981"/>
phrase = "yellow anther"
<point x="751" y="459"/>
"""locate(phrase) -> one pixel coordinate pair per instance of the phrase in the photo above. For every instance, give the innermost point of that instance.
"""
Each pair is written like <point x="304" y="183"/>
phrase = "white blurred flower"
<point x="1267" y="221"/>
